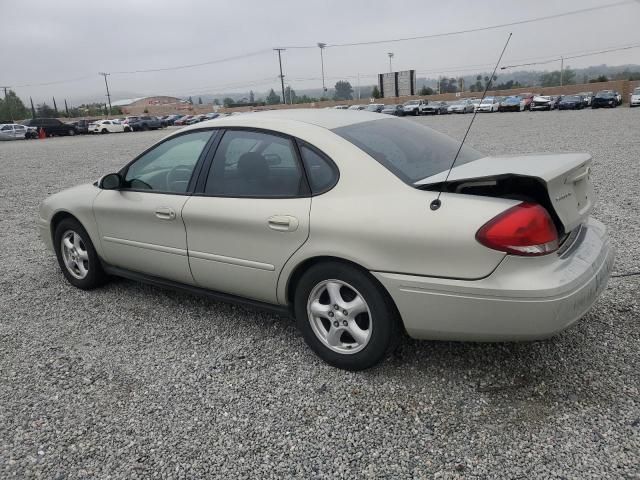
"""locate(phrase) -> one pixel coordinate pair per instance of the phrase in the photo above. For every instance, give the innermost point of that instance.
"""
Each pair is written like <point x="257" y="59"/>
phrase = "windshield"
<point x="604" y="95"/>
<point x="636" y="91"/>
<point x="572" y="98"/>
<point x="409" y="150"/>
<point x="488" y="100"/>
<point x="373" y="108"/>
<point x="412" y="102"/>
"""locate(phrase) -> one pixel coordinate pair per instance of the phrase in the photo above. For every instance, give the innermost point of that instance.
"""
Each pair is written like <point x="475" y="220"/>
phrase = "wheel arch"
<point x="307" y="263"/>
<point x="59" y="217"/>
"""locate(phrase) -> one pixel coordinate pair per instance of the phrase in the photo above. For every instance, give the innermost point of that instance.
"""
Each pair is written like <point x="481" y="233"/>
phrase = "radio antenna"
<point x="435" y="204"/>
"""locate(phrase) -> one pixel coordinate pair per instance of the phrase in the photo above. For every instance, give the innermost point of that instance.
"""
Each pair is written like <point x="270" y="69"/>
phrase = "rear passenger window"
<point x="321" y="173"/>
<point x="255" y="164"/>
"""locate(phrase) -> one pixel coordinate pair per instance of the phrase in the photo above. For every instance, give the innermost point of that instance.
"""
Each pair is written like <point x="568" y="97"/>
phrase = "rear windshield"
<point x="409" y="150"/>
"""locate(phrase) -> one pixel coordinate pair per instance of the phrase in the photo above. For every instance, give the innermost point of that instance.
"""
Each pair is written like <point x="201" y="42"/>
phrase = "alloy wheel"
<point x="74" y="254"/>
<point x="339" y="316"/>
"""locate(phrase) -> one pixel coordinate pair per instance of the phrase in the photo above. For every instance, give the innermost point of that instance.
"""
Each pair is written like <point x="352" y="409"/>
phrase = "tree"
<point x="252" y="97"/>
<point x="199" y="100"/>
<point x="551" y="79"/>
<point x="600" y="78"/>
<point x="375" y="93"/>
<point x="508" y="85"/>
<point x="273" y="98"/>
<point x="191" y="100"/>
<point x="216" y="101"/>
<point x="426" y="90"/>
<point x="290" y="95"/>
<point x="44" y="110"/>
<point x="343" y="91"/>
<point x="227" y="101"/>
<point x="12" y="108"/>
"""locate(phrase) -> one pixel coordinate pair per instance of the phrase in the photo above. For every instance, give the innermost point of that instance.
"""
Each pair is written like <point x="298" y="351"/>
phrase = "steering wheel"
<point x="178" y="178"/>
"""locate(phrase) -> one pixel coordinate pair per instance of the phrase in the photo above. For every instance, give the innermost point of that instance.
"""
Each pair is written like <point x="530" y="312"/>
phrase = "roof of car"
<point x="325" y="118"/>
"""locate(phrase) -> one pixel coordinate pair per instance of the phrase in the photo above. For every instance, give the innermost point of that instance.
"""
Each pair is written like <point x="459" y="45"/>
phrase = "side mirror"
<point x="111" y="181"/>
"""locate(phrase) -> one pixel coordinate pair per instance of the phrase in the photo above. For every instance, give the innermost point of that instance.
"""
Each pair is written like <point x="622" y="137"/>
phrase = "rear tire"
<point x="76" y="255"/>
<point x="354" y="340"/>
<point x="71" y="133"/>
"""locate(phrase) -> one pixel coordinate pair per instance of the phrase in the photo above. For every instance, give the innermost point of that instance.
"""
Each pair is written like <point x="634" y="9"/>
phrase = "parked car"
<point x="513" y="246"/>
<point x="527" y="98"/>
<point x="604" y="98"/>
<point x="357" y="107"/>
<point x="171" y="119"/>
<point x="462" y="106"/>
<point x="489" y="104"/>
<point x="412" y="107"/>
<point x="211" y="116"/>
<point x="82" y="126"/>
<point x="587" y="98"/>
<point x="571" y="102"/>
<point x="106" y="126"/>
<point x="514" y="103"/>
<point x="397" y="110"/>
<point x="16" y="131"/>
<point x="340" y="107"/>
<point x="635" y="97"/>
<point x="375" y="107"/>
<point x="183" y="120"/>
<point x="542" y="102"/>
<point x="476" y="103"/>
<point x="434" y="108"/>
<point x="51" y="126"/>
<point x="144" y="123"/>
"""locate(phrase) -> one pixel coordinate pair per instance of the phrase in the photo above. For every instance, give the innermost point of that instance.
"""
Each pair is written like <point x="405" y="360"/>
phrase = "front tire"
<point x="71" y="133"/>
<point x="345" y="317"/>
<point x="77" y="257"/>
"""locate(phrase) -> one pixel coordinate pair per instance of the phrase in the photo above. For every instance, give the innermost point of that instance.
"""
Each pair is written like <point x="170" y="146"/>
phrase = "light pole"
<point x="105" y="75"/>
<point x="561" y="69"/>
<point x="279" y="50"/>
<point x="322" y="47"/>
<point x="390" y="57"/>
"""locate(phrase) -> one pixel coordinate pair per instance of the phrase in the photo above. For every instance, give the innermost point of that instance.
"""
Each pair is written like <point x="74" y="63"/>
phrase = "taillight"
<point x="525" y="229"/>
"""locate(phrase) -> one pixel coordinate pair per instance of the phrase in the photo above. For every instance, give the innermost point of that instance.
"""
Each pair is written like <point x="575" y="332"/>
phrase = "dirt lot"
<point x="132" y="381"/>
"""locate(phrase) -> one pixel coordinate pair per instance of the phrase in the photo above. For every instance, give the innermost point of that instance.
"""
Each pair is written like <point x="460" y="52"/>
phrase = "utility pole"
<point x="280" y="50"/>
<point x="6" y="101"/>
<point x="561" y="69"/>
<point x="322" y="47"/>
<point x="66" y="109"/>
<point x="358" y="85"/>
<point x="55" y="107"/>
<point x="33" y="110"/>
<point x="105" y="75"/>
<point x="390" y="57"/>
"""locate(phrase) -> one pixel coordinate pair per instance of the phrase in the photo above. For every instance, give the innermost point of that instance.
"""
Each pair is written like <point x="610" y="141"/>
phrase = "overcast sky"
<point x="48" y="41"/>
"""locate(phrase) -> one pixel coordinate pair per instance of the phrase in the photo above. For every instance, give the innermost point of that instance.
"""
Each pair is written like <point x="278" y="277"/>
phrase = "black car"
<point x="397" y="110"/>
<point x="435" y="108"/>
<point x="51" y="126"/>
<point x="571" y="102"/>
<point x="82" y="126"/>
<point x="144" y="123"/>
<point x="605" y="98"/>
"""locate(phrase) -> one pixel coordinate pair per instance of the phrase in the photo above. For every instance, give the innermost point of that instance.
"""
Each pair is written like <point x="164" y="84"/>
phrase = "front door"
<point x="141" y="225"/>
<point x="251" y="217"/>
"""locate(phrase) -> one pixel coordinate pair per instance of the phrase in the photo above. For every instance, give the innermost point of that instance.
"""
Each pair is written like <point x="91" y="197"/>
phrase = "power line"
<point x="473" y="30"/>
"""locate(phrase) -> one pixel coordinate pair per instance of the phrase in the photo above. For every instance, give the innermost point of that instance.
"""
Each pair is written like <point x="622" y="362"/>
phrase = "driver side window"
<point x="169" y="166"/>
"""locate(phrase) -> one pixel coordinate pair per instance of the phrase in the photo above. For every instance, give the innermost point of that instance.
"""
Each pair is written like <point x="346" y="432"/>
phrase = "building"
<point x="158" y="105"/>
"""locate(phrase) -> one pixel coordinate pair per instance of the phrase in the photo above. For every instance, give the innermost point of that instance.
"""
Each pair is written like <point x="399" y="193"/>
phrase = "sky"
<point x="65" y="43"/>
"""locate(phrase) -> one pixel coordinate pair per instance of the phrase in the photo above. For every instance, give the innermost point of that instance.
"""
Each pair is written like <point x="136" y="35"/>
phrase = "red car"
<point x="183" y="120"/>
<point x="528" y="98"/>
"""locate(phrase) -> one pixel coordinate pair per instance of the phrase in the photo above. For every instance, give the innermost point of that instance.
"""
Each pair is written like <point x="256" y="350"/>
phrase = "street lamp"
<point x="390" y="57"/>
<point x="322" y="47"/>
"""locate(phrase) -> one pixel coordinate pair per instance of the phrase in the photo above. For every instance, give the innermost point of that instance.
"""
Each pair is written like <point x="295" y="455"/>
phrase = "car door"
<point x="141" y="226"/>
<point x="251" y="213"/>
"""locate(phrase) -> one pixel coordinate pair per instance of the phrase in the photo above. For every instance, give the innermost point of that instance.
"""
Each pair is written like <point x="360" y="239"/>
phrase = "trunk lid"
<point x="566" y="178"/>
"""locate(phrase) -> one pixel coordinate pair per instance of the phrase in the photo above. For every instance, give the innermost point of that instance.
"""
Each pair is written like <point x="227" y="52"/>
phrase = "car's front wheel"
<point x="76" y="255"/>
<point x="344" y="316"/>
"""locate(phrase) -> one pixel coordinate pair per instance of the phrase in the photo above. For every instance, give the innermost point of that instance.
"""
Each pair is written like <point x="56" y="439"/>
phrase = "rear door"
<point x="141" y="226"/>
<point x="251" y="215"/>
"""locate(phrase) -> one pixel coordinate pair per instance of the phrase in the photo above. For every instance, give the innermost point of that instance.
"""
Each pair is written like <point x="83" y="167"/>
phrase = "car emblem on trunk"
<point x="563" y="196"/>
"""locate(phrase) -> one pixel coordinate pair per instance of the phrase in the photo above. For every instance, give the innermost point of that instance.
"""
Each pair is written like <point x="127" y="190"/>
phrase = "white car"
<point x="271" y="209"/>
<point x="489" y="104"/>
<point x="106" y="126"/>
<point x="357" y="107"/>
<point x="635" y="98"/>
<point x="412" y="107"/>
<point x="15" y="131"/>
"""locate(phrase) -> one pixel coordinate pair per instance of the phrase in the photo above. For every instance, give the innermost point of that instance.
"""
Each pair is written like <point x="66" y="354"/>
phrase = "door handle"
<point x="283" y="223"/>
<point x="165" y="213"/>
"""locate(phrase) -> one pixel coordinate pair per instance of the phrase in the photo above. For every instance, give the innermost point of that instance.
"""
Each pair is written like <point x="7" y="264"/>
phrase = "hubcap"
<point x="339" y="316"/>
<point x="74" y="254"/>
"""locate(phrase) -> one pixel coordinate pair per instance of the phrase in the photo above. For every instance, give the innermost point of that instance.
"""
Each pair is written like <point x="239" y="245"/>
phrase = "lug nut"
<point x="344" y="312"/>
<point x="344" y="322"/>
<point x="336" y="324"/>
<point x="336" y="307"/>
<point x="331" y="314"/>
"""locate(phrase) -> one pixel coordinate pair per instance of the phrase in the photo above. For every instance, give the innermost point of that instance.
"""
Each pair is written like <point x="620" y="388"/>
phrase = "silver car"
<point x="15" y="131"/>
<point x="326" y="215"/>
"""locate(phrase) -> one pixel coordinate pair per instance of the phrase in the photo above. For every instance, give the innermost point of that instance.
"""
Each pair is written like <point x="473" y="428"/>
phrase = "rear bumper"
<point x="525" y="298"/>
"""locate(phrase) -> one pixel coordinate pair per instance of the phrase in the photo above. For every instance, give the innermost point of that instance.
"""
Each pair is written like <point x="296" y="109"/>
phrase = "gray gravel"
<point x="132" y="381"/>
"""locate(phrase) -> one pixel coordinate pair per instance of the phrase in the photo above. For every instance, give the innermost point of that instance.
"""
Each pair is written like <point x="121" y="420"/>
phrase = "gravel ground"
<point x="132" y="381"/>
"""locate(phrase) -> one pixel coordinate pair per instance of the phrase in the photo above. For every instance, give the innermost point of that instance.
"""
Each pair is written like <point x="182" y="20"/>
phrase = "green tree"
<point x="426" y="90"/>
<point x="343" y="91"/>
<point x="508" y="85"/>
<point x="375" y="92"/>
<point x="600" y="78"/>
<point x="199" y="100"/>
<point x="551" y="79"/>
<point x="191" y="100"/>
<point x="252" y="97"/>
<point x="12" y="108"/>
<point x="305" y="99"/>
<point x="216" y="101"/>
<point x="228" y="101"/>
<point x="290" y="95"/>
<point x="273" y="98"/>
<point x="44" y="110"/>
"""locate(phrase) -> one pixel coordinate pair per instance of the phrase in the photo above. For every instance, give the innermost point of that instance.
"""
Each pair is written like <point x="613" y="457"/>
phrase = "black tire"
<point x="145" y="127"/>
<point x="95" y="276"/>
<point x="71" y="133"/>
<point x="384" y="321"/>
<point x="104" y="130"/>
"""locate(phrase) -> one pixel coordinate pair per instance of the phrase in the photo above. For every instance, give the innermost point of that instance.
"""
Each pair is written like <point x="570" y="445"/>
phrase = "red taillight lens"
<point x="526" y="229"/>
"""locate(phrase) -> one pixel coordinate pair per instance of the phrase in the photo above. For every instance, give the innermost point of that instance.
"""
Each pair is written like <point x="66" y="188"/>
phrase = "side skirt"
<point x="202" y="292"/>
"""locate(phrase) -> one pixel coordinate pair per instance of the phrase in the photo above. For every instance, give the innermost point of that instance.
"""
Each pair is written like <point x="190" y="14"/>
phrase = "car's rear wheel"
<point x="71" y="133"/>
<point x="104" y="130"/>
<point x="344" y="316"/>
<point x="76" y="255"/>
